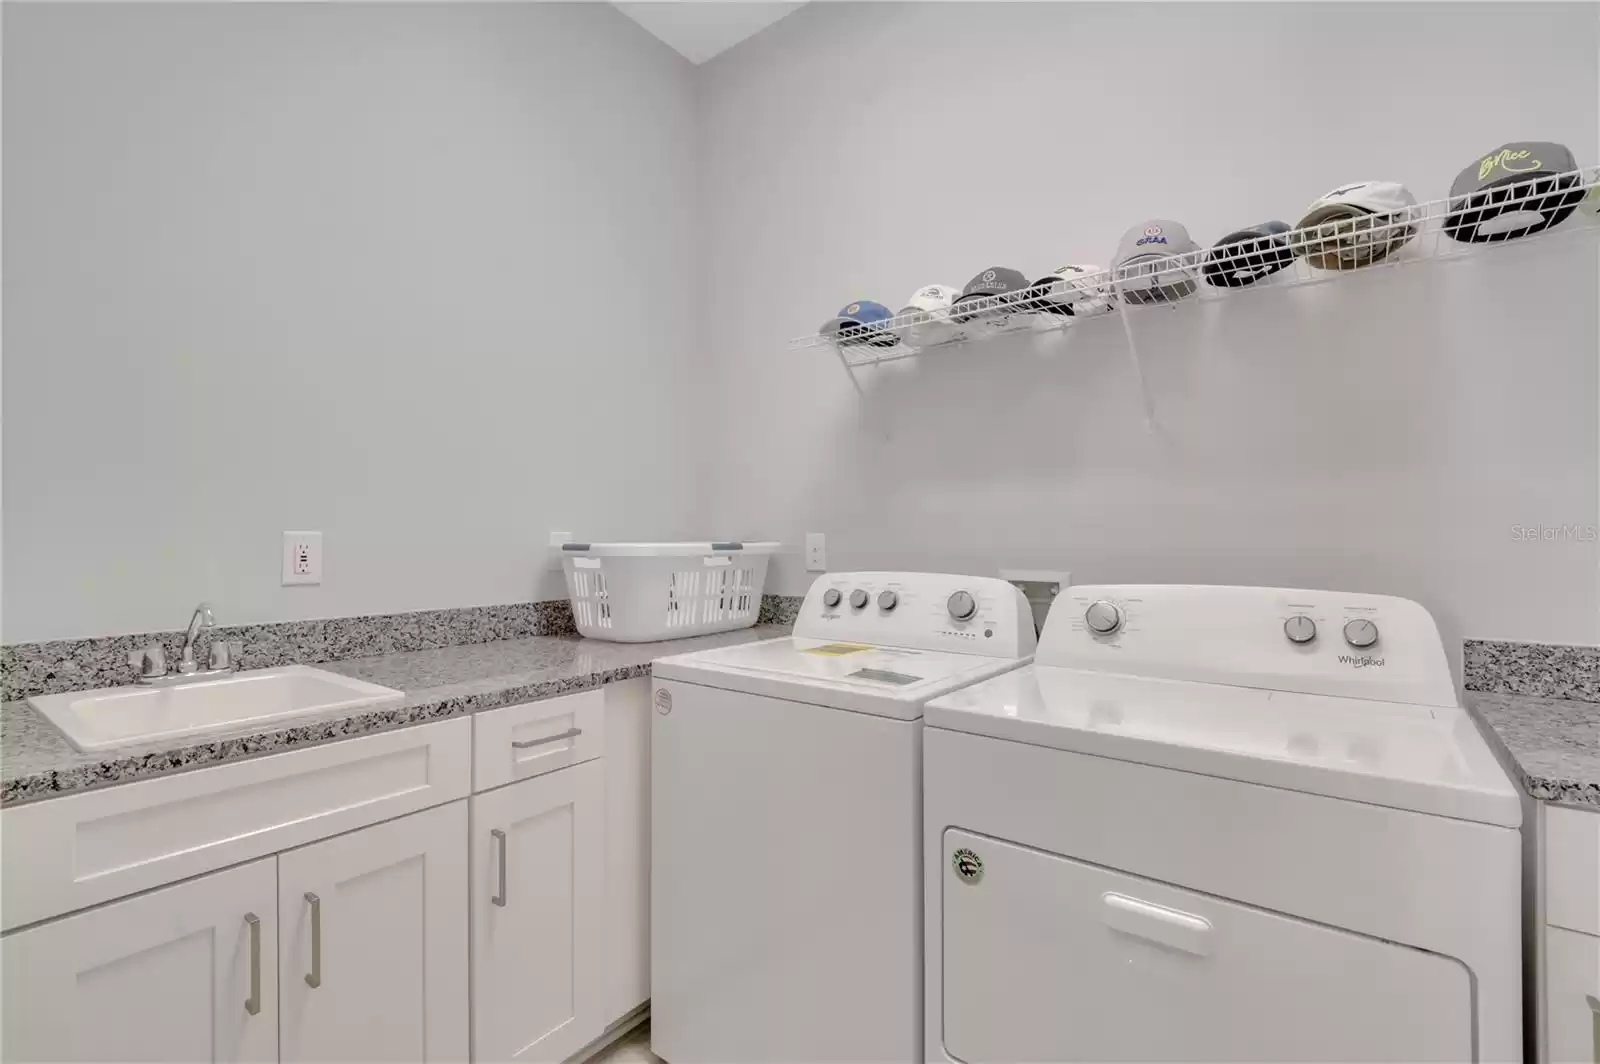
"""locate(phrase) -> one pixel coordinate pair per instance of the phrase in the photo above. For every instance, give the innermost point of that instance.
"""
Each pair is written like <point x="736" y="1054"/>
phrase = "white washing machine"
<point x="1218" y="823"/>
<point x="786" y="820"/>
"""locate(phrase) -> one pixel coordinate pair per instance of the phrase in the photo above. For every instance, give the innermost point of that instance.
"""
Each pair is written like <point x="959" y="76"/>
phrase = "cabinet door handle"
<point x="314" y="980"/>
<point x="499" y="837"/>
<point x="252" y="1004"/>
<point x="1594" y="1008"/>
<point x="570" y="733"/>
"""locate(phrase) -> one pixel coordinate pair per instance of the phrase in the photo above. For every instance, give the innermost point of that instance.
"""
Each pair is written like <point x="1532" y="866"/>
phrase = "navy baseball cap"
<point x="860" y="323"/>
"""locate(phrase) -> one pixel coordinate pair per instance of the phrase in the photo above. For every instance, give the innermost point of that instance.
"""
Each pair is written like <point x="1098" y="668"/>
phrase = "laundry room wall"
<point x="1386" y="433"/>
<point x="408" y="274"/>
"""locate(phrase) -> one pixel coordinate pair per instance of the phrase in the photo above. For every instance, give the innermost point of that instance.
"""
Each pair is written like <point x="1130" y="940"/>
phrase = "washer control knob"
<point x="1103" y="617"/>
<point x="1360" y="633"/>
<point x="831" y="597"/>
<point x="858" y="599"/>
<point x="888" y="600"/>
<point x="962" y="606"/>
<point x="1300" y="629"/>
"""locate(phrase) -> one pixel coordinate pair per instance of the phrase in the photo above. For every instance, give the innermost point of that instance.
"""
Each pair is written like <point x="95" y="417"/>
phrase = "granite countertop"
<point x="1552" y="745"/>
<point x="37" y="761"/>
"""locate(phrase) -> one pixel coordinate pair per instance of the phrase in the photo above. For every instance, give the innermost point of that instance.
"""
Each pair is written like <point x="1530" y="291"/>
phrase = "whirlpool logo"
<point x="1361" y="661"/>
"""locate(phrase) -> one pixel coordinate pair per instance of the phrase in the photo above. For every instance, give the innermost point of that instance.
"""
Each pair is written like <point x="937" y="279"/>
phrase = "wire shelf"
<point x="1422" y="232"/>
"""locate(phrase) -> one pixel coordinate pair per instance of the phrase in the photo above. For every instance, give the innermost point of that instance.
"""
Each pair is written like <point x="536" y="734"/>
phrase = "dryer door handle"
<point x="1169" y="927"/>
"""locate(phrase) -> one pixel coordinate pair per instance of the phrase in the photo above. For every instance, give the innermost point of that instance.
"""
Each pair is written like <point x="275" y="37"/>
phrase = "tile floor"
<point x="633" y="1048"/>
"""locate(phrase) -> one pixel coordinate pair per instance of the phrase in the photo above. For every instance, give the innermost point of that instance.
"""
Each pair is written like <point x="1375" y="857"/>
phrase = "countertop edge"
<point x="1565" y="792"/>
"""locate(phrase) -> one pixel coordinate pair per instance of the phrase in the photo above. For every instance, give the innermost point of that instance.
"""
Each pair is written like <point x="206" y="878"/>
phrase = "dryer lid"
<point x="1429" y="759"/>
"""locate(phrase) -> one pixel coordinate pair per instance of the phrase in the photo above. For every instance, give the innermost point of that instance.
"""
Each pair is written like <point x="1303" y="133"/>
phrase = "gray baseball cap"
<point x="995" y="281"/>
<point x="1519" y="188"/>
<point x="1139" y="269"/>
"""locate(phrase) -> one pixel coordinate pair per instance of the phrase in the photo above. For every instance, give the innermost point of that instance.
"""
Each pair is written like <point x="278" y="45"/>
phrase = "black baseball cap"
<point x="1246" y="255"/>
<point x="995" y="281"/>
<point x="1517" y="189"/>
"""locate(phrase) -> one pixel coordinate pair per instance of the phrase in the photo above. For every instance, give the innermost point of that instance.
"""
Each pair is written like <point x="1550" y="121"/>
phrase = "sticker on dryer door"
<point x="968" y="865"/>
<point x="663" y="701"/>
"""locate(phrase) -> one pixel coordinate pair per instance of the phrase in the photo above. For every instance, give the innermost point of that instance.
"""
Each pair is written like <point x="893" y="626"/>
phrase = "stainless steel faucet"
<point x="151" y="661"/>
<point x="202" y="618"/>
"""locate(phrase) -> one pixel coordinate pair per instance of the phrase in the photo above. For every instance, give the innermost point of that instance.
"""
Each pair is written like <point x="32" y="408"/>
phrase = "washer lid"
<point x="1430" y="759"/>
<point x="885" y="681"/>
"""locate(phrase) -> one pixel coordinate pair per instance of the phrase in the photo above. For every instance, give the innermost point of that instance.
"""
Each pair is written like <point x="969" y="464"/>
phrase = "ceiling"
<point x="700" y="29"/>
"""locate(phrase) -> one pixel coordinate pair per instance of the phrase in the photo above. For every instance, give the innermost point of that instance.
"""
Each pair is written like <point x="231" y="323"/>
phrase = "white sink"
<point x="122" y="716"/>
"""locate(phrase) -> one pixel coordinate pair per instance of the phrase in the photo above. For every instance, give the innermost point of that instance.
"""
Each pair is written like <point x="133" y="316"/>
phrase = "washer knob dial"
<point x="962" y="606"/>
<point x="858" y="599"/>
<point x="888" y="600"/>
<point x="1103" y="617"/>
<point x="831" y="597"/>
<point x="1360" y="633"/>
<point x="1300" y="629"/>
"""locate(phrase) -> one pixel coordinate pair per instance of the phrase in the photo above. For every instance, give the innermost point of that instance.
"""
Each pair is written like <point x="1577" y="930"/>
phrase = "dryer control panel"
<point x="1277" y="639"/>
<point x="920" y="611"/>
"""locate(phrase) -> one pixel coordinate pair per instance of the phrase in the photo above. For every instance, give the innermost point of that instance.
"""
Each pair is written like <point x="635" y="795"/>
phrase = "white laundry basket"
<point x="640" y="592"/>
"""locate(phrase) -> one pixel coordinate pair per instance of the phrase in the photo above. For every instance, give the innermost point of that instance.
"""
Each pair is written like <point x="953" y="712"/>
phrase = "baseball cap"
<point x="1141" y="269"/>
<point x="1356" y="225"/>
<point x="860" y="322"/>
<point x="920" y="308"/>
<point x="1519" y="188"/>
<point x="1246" y="255"/>
<point x="996" y="281"/>
<point x="1073" y="289"/>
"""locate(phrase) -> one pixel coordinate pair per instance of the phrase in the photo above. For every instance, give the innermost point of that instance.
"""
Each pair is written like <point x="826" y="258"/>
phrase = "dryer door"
<point x="1047" y="958"/>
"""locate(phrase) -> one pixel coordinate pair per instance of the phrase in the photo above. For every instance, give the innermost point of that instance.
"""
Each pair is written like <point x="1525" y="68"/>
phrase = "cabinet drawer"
<point x="1572" y="869"/>
<point x="1572" y="997"/>
<point x="80" y="850"/>
<point x="518" y="742"/>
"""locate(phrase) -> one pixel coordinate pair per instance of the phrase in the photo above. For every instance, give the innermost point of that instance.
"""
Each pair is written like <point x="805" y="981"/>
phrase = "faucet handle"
<point x="151" y="661"/>
<point x="223" y="654"/>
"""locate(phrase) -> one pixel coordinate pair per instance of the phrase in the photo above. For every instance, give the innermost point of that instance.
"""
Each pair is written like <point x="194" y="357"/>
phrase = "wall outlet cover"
<point x="302" y="558"/>
<point x="816" y="552"/>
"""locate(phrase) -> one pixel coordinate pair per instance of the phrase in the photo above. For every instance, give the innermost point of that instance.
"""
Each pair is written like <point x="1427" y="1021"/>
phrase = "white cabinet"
<point x="627" y="918"/>
<point x="184" y="973"/>
<point x="538" y="889"/>
<point x="1572" y="1005"/>
<point x="373" y="927"/>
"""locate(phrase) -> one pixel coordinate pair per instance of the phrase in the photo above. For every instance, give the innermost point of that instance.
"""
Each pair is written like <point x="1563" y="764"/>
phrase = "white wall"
<point x="409" y="274"/>
<point x="1379" y="434"/>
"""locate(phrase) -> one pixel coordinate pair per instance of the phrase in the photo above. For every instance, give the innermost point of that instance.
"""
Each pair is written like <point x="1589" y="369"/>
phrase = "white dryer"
<point x="1217" y="823"/>
<point x="786" y="878"/>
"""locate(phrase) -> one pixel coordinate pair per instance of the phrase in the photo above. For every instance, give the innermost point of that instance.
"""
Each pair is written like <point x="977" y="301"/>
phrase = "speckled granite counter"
<point x="1552" y="745"/>
<point x="36" y="761"/>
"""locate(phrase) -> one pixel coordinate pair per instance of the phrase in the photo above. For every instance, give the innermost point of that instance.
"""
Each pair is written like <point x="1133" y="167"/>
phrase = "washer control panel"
<point x="1282" y="639"/>
<point x="920" y="611"/>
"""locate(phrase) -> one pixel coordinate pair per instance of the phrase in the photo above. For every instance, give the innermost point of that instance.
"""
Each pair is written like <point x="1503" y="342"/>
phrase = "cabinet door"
<point x="627" y="917"/>
<point x="1572" y="996"/>
<point x="185" y="973"/>
<point x="538" y="890"/>
<point x="374" y="936"/>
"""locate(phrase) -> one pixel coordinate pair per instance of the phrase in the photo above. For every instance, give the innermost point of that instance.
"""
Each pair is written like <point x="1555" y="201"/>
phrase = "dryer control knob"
<point x="1360" y="633"/>
<point x="888" y="600"/>
<point x="1300" y="628"/>
<point x="962" y="606"/>
<point x="831" y="597"/>
<point x="1103" y="617"/>
<point x="858" y="599"/>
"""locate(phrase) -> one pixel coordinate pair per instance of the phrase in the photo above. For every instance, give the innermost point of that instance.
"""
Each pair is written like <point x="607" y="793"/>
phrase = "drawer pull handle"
<point x="500" y="841"/>
<point x="314" y="980"/>
<point x="570" y="733"/>
<point x="252" y="1004"/>
<point x="1157" y="923"/>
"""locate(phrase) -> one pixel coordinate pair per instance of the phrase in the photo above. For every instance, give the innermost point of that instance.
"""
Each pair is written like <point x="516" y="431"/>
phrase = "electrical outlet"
<point x="302" y="558"/>
<point x="816" y="552"/>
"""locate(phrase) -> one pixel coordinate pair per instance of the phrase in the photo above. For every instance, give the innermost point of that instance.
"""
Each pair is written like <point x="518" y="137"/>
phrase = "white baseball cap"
<point x="1356" y="225"/>
<point x="925" y="301"/>
<point x="1073" y="289"/>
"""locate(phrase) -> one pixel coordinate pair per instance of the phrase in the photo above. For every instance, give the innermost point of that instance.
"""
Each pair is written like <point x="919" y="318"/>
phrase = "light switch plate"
<point x="302" y="558"/>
